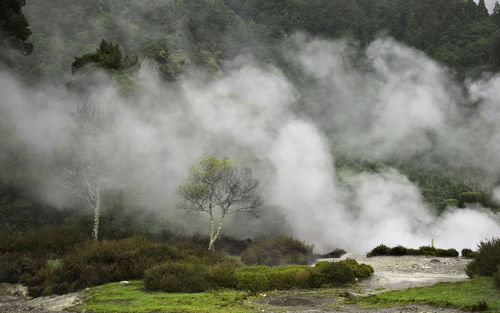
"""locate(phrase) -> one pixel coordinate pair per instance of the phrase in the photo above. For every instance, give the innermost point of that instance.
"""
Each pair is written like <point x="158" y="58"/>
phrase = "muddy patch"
<point x="402" y="272"/>
<point x="287" y="301"/>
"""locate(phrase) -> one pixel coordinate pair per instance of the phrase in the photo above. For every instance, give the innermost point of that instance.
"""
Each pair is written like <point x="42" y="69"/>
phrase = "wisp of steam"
<point x="253" y="114"/>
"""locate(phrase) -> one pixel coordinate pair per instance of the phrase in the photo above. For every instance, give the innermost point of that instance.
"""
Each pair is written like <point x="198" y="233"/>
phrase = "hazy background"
<point x="335" y="131"/>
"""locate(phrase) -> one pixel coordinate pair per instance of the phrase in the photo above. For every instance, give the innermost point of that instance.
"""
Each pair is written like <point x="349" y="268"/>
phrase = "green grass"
<point x="132" y="297"/>
<point x="463" y="295"/>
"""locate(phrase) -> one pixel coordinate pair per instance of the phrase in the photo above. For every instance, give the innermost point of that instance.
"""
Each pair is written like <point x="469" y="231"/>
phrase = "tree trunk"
<point x="97" y="212"/>
<point x="212" y="229"/>
<point x="214" y="235"/>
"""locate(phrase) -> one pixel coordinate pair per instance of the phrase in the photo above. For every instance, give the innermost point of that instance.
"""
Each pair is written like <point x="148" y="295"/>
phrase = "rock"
<point x="435" y="261"/>
<point x="56" y="303"/>
<point x="17" y="290"/>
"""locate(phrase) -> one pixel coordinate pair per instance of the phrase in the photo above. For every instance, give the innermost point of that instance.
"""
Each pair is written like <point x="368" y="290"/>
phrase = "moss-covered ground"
<point x="469" y="295"/>
<point x="133" y="297"/>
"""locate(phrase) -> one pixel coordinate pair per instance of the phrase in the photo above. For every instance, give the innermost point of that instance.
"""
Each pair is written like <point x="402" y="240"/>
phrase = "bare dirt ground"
<point x="391" y="273"/>
<point x="396" y="273"/>
<point x="14" y="299"/>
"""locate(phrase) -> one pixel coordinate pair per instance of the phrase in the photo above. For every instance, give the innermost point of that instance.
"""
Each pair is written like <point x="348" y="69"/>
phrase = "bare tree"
<point x="218" y="188"/>
<point x="88" y="168"/>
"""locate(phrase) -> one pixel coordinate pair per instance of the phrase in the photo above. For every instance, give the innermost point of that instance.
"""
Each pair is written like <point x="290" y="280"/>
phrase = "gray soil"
<point x="391" y="273"/>
<point x="15" y="299"/>
<point x="396" y="273"/>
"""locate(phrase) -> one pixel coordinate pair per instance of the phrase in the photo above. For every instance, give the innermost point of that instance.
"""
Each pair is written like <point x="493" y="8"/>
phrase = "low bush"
<point x="262" y="278"/>
<point x="223" y="275"/>
<point x="398" y="251"/>
<point x="468" y="253"/>
<point x="64" y="265"/>
<point x="379" y="250"/>
<point x="496" y="277"/>
<point x="337" y="253"/>
<point x="178" y="277"/>
<point x="361" y="271"/>
<point x="229" y="245"/>
<point x="470" y="197"/>
<point x="486" y="260"/>
<point x="383" y="250"/>
<point x="426" y="250"/>
<point x="449" y="203"/>
<point x="54" y="241"/>
<point x="446" y="253"/>
<point x="332" y="274"/>
<point x="277" y="251"/>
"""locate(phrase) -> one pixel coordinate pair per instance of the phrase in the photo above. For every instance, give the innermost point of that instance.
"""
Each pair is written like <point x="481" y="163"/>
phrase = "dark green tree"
<point x="14" y="27"/>
<point x="496" y="14"/>
<point x="483" y="11"/>
<point x="107" y="56"/>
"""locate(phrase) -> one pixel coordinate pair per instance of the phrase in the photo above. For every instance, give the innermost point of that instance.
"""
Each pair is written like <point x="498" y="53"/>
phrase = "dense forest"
<point x="56" y="45"/>
<point x="179" y="34"/>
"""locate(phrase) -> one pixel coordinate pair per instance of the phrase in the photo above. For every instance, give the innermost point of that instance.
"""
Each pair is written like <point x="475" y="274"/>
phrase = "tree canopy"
<point x="219" y="188"/>
<point x="14" y="27"/>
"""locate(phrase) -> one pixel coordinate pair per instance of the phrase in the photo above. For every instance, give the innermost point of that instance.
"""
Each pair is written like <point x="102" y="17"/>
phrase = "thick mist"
<point x="394" y="103"/>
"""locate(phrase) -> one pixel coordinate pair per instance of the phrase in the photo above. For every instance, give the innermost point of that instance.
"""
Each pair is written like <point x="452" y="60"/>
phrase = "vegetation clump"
<point x="486" y="260"/>
<point x="278" y="251"/>
<point x="64" y="260"/>
<point x="383" y="250"/>
<point x="189" y="277"/>
<point x="336" y="253"/>
<point x="180" y="277"/>
<point x="477" y="294"/>
<point x="107" y="56"/>
<point x="468" y="253"/>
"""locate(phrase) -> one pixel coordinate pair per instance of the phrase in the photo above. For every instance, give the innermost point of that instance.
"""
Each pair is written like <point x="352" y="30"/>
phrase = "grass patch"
<point x="464" y="295"/>
<point x="133" y="297"/>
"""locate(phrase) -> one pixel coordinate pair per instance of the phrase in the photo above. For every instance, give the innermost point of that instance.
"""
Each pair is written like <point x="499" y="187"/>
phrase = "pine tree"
<point x="483" y="11"/>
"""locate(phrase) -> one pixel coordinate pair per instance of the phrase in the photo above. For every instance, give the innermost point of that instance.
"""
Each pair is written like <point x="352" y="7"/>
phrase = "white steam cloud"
<point x="398" y="103"/>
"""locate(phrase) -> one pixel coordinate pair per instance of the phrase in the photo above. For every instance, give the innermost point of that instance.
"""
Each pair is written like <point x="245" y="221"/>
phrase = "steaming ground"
<point x="398" y="104"/>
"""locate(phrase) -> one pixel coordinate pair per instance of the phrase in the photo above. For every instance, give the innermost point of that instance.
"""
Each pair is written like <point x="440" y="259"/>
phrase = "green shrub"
<point x="335" y="273"/>
<point x="496" y="277"/>
<point x="222" y="275"/>
<point x="177" y="277"/>
<point x="382" y="250"/>
<point x="53" y="268"/>
<point x="486" y="260"/>
<point x="277" y="251"/>
<point x="253" y="281"/>
<point x="468" y="253"/>
<point x="450" y="203"/>
<point x="262" y="278"/>
<point x="361" y="271"/>
<point x="53" y="241"/>
<point x="470" y="197"/>
<point x="446" y="253"/>
<point x="379" y="250"/>
<point x="398" y="251"/>
<point x="337" y="253"/>
<point x="426" y="250"/>
<point x="480" y="306"/>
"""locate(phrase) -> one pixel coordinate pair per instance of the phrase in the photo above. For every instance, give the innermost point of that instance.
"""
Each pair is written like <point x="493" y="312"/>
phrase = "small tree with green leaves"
<point x="219" y="188"/>
<point x="108" y="56"/>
